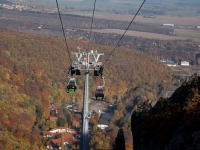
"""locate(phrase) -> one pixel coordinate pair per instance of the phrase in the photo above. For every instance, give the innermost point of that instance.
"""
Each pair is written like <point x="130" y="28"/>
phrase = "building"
<point x="68" y="138"/>
<point x="170" y="63"/>
<point x="54" y="131"/>
<point x="76" y="122"/>
<point x="104" y="121"/>
<point x="48" y="134"/>
<point x="59" y="130"/>
<point x="168" y="25"/>
<point x="53" y="108"/>
<point x="185" y="63"/>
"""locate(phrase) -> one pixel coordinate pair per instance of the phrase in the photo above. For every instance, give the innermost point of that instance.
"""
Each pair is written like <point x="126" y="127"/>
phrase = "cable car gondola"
<point x="99" y="93"/>
<point x="71" y="87"/>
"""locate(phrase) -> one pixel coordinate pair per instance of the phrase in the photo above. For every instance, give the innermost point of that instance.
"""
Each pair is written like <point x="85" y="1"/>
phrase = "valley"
<point x="34" y="63"/>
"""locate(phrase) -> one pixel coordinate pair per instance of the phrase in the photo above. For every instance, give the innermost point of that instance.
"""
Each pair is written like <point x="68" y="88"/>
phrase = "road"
<point x="101" y="107"/>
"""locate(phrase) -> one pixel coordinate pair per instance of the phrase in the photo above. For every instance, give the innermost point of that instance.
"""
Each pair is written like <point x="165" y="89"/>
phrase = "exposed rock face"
<point x="172" y="124"/>
<point x="120" y="141"/>
<point x="189" y="88"/>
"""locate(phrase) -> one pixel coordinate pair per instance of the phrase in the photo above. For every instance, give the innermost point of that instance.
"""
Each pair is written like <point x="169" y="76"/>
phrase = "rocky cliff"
<point x="173" y="123"/>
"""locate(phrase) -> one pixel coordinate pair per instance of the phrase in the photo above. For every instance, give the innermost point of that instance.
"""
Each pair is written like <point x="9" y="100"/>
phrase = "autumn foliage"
<point x="33" y="74"/>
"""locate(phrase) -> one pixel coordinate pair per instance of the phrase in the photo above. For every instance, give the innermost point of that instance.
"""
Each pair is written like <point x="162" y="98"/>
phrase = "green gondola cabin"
<point x="71" y="87"/>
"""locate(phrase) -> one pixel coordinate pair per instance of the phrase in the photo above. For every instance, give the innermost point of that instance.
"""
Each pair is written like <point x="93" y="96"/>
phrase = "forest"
<point x="34" y="69"/>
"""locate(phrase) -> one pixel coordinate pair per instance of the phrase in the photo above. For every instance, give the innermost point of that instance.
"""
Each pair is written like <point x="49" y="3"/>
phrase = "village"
<point x="183" y="68"/>
<point x="15" y="7"/>
<point x="63" y="135"/>
<point x="19" y="7"/>
<point x="67" y="136"/>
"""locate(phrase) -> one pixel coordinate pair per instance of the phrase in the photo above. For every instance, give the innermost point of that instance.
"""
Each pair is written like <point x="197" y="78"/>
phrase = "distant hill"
<point x="5" y="2"/>
<point x="103" y="1"/>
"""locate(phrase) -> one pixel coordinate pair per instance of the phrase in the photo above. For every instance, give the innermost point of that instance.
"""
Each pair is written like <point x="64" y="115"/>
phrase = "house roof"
<point x="68" y="137"/>
<point x="184" y="61"/>
<point x="63" y="128"/>
<point x="45" y="133"/>
<point x="51" y="132"/>
<point x="49" y="143"/>
<point x="53" y="118"/>
<point x="76" y="121"/>
<point x="169" y="63"/>
<point x="105" y="119"/>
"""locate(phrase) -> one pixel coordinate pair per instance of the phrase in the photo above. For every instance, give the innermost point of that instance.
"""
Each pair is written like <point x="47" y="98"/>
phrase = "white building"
<point x="55" y="131"/>
<point x="185" y="63"/>
<point x="170" y="63"/>
<point x="104" y="121"/>
<point x="102" y="126"/>
<point x="60" y="130"/>
<point x="168" y="25"/>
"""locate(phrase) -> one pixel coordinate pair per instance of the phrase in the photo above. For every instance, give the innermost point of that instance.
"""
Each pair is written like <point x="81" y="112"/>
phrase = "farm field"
<point x="192" y="21"/>
<point x="185" y="70"/>
<point x="145" y="34"/>
<point x="183" y="13"/>
<point x="187" y="33"/>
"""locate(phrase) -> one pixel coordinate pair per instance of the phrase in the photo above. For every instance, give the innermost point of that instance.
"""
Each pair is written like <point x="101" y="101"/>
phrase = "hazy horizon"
<point x="113" y="2"/>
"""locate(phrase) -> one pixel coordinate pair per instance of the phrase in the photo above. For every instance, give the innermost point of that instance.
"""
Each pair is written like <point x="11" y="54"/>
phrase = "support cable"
<point x="124" y="32"/>
<point x="63" y="32"/>
<point x="91" y="24"/>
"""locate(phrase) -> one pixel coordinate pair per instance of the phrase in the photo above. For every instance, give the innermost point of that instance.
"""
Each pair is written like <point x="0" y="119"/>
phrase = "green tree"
<point x="68" y="116"/>
<point x="61" y="121"/>
<point x="39" y="113"/>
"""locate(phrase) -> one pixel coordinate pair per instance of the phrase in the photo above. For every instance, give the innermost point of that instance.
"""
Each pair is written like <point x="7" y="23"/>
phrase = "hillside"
<point x="18" y="100"/>
<point x="34" y="74"/>
<point x="125" y="68"/>
<point x="173" y="123"/>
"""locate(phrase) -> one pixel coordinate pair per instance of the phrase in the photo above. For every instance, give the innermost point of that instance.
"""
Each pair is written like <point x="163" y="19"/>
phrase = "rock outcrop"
<point x="173" y="123"/>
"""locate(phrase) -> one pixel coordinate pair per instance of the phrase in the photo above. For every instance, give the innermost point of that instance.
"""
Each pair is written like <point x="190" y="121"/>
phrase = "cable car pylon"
<point x="87" y="59"/>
